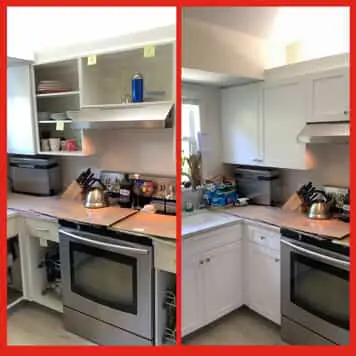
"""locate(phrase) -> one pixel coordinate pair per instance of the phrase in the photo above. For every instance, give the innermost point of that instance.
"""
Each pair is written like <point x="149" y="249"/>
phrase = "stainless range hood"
<point x="325" y="132"/>
<point x="143" y="115"/>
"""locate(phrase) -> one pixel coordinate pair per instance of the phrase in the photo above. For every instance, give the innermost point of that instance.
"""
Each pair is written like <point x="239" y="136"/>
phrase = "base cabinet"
<point x="211" y="280"/>
<point x="263" y="281"/>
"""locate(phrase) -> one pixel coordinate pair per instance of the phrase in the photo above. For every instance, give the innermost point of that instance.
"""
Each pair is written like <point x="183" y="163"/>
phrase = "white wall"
<point x="332" y="168"/>
<point x="209" y="101"/>
<point x="216" y="49"/>
<point x="139" y="151"/>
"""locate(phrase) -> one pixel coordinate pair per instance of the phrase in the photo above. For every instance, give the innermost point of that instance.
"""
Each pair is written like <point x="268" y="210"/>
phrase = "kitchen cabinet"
<point x="65" y="102"/>
<point x="42" y="236"/>
<point x="105" y="79"/>
<point x="211" y="277"/>
<point x="262" y="273"/>
<point x="284" y="115"/>
<point x="328" y="92"/>
<point x="242" y="124"/>
<point x="21" y="132"/>
<point x="222" y="278"/>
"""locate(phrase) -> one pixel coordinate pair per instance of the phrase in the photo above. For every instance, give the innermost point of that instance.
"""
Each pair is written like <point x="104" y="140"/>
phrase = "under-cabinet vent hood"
<point x="330" y="132"/>
<point x="143" y="115"/>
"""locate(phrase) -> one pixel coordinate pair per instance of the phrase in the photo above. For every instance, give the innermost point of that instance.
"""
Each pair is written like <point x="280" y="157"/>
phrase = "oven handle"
<point x="139" y="251"/>
<point x="315" y="254"/>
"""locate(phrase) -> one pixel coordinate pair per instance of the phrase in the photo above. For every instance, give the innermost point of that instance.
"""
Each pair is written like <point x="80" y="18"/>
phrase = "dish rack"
<point x="169" y="335"/>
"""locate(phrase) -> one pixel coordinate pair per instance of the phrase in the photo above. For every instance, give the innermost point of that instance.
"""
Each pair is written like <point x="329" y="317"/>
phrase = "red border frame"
<point x="3" y="183"/>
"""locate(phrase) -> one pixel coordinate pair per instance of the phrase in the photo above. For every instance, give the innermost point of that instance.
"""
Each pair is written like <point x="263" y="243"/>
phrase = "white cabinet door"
<point x="20" y="110"/>
<point x="329" y="95"/>
<point x="192" y="298"/>
<point x="285" y="113"/>
<point x="242" y="125"/>
<point x="263" y="281"/>
<point x="222" y="280"/>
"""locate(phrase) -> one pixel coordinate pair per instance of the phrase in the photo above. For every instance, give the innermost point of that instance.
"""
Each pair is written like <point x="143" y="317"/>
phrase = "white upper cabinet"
<point x="242" y="125"/>
<point x="284" y="114"/>
<point x="328" y="92"/>
<point x="20" y="110"/>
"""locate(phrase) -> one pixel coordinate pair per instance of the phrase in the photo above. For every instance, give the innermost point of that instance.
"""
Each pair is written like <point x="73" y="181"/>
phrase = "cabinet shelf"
<point x="54" y="121"/>
<point x="63" y="93"/>
<point x="126" y="106"/>
<point x="63" y="153"/>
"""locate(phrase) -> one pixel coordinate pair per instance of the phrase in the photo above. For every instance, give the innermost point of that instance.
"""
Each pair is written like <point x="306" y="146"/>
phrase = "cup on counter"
<point x="44" y="145"/>
<point x="55" y="144"/>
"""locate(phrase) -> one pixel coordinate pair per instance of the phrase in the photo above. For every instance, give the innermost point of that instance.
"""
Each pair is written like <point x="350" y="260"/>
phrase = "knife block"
<point x="73" y="192"/>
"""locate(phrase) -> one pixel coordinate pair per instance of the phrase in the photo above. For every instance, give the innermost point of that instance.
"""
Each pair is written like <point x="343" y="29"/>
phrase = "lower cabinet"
<point x="262" y="287"/>
<point x="220" y="275"/>
<point x="211" y="280"/>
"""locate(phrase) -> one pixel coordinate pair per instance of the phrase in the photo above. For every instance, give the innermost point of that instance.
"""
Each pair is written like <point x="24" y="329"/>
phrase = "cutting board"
<point x="149" y="224"/>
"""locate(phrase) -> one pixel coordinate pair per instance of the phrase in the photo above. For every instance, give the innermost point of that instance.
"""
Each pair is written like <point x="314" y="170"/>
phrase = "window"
<point x="190" y="131"/>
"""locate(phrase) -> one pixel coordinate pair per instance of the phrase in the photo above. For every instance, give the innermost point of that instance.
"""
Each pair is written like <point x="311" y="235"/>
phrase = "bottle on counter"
<point x="125" y="193"/>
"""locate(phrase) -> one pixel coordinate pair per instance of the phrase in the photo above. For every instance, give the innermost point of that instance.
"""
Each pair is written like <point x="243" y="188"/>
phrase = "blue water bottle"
<point x="137" y="88"/>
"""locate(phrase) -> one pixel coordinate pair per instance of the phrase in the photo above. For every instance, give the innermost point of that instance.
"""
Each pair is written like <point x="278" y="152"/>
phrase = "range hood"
<point x="325" y="132"/>
<point x="146" y="115"/>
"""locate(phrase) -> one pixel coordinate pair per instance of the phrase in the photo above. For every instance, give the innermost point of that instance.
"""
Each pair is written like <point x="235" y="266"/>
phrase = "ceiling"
<point x="284" y="24"/>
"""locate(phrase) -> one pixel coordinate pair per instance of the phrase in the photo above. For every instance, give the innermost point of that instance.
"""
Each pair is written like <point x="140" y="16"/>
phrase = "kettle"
<point x="96" y="196"/>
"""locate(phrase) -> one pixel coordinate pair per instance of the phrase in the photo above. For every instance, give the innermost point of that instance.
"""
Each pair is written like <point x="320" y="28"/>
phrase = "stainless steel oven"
<point x="107" y="280"/>
<point x="315" y="290"/>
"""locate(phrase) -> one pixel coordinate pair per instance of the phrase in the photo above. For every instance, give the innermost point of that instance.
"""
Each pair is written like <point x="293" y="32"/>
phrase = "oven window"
<point x="104" y="277"/>
<point x="320" y="289"/>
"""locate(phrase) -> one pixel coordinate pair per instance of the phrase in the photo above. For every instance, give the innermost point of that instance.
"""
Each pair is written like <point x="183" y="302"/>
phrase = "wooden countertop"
<point x="163" y="226"/>
<point x="333" y="229"/>
<point x="149" y="224"/>
<point x="68" y="209"/>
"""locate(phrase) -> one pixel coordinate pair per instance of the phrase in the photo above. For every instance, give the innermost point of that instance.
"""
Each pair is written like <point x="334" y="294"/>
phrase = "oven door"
<point x="108" y="279"/>
<point x="315" y="290"/>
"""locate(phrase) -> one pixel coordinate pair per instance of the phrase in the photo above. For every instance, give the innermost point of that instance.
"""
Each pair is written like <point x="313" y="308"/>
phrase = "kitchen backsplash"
<point x="332" y="164"/>
<point x="141" y="151"/>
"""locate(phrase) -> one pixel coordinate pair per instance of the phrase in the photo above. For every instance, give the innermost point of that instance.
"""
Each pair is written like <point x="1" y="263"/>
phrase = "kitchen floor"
<point x="31" y="324"/>
<point x="241" y="327"/>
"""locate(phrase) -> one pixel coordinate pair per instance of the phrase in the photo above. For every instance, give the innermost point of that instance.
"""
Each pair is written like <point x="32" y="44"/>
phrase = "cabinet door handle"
<point x="276" y="260"/>
<point x="207" y="260"/>
<point x="257" y="160"/>
<point x="262" y="238"/>
<point x="43" y="229"/>
<point x="346" y="112"/>
<point x="201" y="262"/>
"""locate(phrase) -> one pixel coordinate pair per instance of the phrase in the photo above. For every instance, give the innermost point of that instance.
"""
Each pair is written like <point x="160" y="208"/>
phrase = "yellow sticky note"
<point x="149" y="51"/>
<point x="92" y="60"/>
<point x="60" y="125"/>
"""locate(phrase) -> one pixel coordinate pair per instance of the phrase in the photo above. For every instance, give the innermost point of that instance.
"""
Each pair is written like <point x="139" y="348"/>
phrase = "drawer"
<point x="264" y="237"/>
<point x="218" y="237"/>
<point x="12" y="227"/>
<point x="43" y="229"/>
<point x="165" y="257"/>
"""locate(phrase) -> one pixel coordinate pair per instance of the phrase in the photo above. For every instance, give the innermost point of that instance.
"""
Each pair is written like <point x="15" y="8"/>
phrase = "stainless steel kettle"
<point x="96" y="195"/>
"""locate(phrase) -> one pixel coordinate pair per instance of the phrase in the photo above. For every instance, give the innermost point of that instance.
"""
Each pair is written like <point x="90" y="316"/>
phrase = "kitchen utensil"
<point x="293" y="203"/>
<point x="71" y="145"/>
<point x="96" y="196"/>
<point x="59" y="116"/>
<point x="75" y="189"/>
<point x="44" y="145"/>
<point x="319" y="210"/>
<point x="54" y="144"/>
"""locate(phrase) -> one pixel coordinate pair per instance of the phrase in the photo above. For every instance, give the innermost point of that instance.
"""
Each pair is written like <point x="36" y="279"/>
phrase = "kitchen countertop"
<point x="75" y="211"/>
<point x="332" y="228"/>
<point x="163" y="226"/>
<point x="205" y="220"/>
